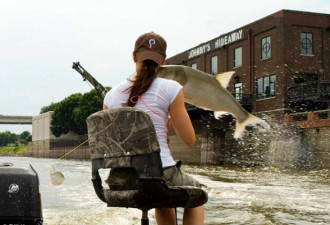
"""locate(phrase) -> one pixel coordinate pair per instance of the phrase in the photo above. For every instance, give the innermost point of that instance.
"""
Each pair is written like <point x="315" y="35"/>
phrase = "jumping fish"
<point x="209" y="92"/>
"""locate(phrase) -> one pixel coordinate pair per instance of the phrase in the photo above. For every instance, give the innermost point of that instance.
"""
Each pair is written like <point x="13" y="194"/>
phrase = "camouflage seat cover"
<point x="121" y="138"/>
<point x="118" y="134"/>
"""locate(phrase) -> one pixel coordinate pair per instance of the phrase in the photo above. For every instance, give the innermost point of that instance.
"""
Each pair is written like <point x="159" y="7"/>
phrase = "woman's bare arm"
<point x="181" y="120"/>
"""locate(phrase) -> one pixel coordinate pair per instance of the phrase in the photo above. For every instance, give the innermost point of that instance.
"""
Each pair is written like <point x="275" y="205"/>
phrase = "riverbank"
<point x="12" y="150"/>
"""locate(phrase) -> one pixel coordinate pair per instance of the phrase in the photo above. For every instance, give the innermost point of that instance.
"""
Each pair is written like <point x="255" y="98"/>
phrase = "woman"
<point x="163" y="101"/>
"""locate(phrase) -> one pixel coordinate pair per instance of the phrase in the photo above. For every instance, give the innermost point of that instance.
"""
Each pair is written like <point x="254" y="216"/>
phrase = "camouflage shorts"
<point x="175" y="177"/>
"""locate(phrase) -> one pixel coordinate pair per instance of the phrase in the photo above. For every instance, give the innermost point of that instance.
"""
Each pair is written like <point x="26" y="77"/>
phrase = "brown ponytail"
<point x="144" y="78"/>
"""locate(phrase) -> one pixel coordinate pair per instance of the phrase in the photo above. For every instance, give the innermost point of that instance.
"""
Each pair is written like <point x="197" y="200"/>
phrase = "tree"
<point x="7" y="138"/>
<point x="63" y="119"/>
<point x="71" y="113"/>
<point x="89" y="103"/>
<point x="48" y="108"/>
<point x="25" y="137"/>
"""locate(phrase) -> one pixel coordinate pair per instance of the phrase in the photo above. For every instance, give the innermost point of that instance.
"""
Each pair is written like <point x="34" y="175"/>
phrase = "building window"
<point x="238" y="91"/>
<point x="265" y="48"/>
<point x="266" y="87"/>
<point x="237" y="57"/>
<point x="214" y="64"/>
<point x="306" y="43"/>
<point x="194" y="66"/>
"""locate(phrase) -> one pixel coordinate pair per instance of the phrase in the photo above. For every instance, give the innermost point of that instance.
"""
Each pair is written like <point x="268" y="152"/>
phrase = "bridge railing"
<point x="15" y="119"/>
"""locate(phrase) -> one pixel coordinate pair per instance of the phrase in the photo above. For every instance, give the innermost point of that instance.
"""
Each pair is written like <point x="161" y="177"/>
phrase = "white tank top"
<point x="157" y="100"/>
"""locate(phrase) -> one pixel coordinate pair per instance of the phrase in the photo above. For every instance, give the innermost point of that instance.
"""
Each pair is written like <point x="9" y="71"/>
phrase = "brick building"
<point x="282" y="62"/>
<point x="282" y="65"/>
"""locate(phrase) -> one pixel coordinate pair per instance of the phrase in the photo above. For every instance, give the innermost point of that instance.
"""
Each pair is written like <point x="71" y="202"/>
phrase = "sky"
<point x="40" y="39"/>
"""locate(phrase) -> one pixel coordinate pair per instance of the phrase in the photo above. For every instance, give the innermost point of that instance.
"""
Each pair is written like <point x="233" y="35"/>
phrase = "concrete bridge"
<point x="15" y="119"/>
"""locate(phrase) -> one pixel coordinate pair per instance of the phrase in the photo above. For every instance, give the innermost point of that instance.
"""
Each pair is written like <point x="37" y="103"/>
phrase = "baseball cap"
<point x="150" y="46"/>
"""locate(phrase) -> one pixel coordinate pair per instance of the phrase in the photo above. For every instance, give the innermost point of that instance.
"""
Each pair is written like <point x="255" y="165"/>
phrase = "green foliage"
<point x="13" y="149"/>
<point x="71" y="113"/>
<point x="25" y="137"/>
<point x="63" y="119"/>
<point x="48" y="108"/>
<point x="89" y="103"/>
<point x="8" y="138"/>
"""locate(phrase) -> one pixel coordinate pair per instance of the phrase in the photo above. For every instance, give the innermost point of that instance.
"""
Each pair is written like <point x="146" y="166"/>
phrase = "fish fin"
<point x="218" y="114"/>
<point x="224" y="78"/>
<point x="250" y="121"/>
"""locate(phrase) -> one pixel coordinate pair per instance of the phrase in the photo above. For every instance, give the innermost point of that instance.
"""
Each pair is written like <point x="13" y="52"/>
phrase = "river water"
<point x="237" y="195"/>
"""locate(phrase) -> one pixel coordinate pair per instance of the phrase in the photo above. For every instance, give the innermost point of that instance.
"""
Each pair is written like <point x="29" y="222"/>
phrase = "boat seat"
<point x="124" y="140"/>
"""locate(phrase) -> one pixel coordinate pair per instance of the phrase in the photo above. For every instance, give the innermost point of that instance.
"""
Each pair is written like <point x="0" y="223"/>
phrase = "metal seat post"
<point x="145" y="218"/>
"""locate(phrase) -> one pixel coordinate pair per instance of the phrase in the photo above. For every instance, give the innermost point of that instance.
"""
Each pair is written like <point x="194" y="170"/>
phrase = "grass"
<point x="13" y="150"/>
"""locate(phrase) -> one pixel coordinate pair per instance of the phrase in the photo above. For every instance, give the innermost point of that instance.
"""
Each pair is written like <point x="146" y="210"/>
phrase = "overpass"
<point x="15" y="119"/>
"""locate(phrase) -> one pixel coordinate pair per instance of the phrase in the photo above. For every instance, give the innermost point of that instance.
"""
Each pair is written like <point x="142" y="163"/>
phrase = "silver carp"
<point x="209" y="92"/>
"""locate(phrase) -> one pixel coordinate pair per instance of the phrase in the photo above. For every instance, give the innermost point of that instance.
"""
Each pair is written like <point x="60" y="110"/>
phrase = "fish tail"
<point x="251" y="120"/>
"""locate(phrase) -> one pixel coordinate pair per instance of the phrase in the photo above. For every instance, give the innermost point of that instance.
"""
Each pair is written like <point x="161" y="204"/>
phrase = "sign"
<point x="217" y="43"/>
<point x="13" y="188"/>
